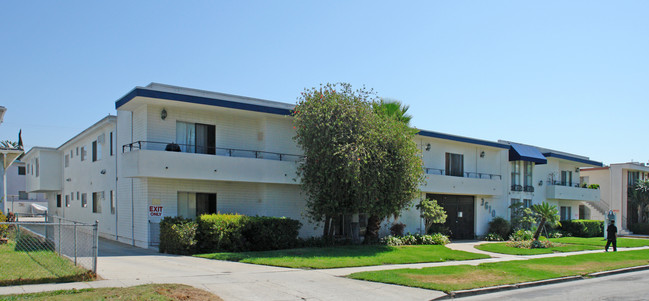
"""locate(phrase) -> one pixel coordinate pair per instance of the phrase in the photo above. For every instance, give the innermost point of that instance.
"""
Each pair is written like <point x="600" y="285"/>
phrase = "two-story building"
<point x="173" y="151"/>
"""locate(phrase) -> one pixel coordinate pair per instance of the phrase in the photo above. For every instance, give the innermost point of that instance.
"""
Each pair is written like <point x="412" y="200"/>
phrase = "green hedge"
<point x="178" y="235"/>
<point x="640" y="228"/>
<point x="583" y="228"/>
<point x="236" y="233"/>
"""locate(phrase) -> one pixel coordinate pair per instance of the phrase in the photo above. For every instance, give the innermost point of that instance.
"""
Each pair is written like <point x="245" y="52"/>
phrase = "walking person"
<point x="611" y="236"/>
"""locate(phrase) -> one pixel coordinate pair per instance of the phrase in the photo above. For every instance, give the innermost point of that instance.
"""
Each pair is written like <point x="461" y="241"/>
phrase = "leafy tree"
<point x="431" y="212"/>
<point x="639" y="197"/>
<point x="355" y="160"/>
<point x="548" y="214"/>
<point x="522" y="217"/>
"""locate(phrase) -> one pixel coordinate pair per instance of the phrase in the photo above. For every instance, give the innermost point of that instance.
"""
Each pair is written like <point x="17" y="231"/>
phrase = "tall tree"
<point x="639" y="197"/>
<point x="547" y="214"/>
<point x="355" y="160"/>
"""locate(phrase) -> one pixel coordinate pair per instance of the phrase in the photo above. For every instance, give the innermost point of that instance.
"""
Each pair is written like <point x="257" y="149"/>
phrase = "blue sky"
<point x="567" y="75"/>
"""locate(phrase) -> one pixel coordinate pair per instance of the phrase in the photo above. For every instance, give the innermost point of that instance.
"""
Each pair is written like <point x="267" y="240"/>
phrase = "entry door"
<point x="460" y="211"/>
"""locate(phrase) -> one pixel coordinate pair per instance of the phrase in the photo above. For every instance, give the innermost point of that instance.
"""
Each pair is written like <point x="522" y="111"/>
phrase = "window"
<point x="112" y="202"/>
<point x="191" y="205"/>
<point x="22" y="195"/>
<point x="96" y="201"/>
<point x="632" y="177"/>
<point x="67" y="161"/>
<point x="196" y="137"/>
<point x="78" y="196"/>
<point x="111" y="143"/>
<point x="71" y="154"/>
<point x="566" y="178"/>
<point x="77" y="151"/>
<point x="454" y="165"/>
<point x="37" y="167"/>
<point x="516" y="172"/>
<point x="28" y="170"/>
<point x="72" y="196"/>
<point x="84" y="200"/>
<point x="527" y="175"/>
<point x="83" y="153"/>
<point x="566" y="213"/>
<point x="21" y="170"/>
<point x="527" y="203"/>
<point x="58" y="201"/>
<point x="67" y="200"/>
<point x="95" y="151"/>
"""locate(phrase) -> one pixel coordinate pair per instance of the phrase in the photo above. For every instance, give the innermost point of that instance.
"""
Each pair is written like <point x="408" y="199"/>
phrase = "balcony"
<point x="471" y="183"/>
<point x="149" y="159"/>
<point x="571" y="192"/>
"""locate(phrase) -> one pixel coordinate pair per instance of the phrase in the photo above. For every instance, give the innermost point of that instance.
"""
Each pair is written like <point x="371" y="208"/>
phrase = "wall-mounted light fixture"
<point x="482" y="154"/>
<point x="577" y="169"/>
<point x="103" y="172"/>
<point x="541" y="183"/>
<point x="163" y="114"/>
<point x="68" y="180"/>
<point x="428" y="147"/>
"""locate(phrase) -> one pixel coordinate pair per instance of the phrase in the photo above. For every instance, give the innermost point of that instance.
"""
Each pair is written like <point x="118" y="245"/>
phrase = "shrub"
<point x="594" y="186"/>
<point x="640" y="228"/>
<point x="178" y="235"/>
<point x="493" y="237"/>
<point x="583" y="228"/>
<point x="397" y="229"/>
<point x="439" y="228"/>
<point x="521" y="235"/>
<point x="3" y="228"/>
<point x="415" y="239"/>
<point x="236" y="233"/>
<point x="530" y="244"/>
<point x="500" y="226"/>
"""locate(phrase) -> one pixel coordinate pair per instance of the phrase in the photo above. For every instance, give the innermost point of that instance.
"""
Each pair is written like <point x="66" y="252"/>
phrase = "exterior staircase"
<point x="598" y="210"/>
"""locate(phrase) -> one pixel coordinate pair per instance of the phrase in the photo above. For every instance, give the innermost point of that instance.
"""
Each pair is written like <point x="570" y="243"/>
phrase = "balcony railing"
<point x="564" y="183"/>
<point x="219" y="151"/>
<point x="517" y="188"/>
<point x="473" y="175"/>
<point x="528" y="188"/>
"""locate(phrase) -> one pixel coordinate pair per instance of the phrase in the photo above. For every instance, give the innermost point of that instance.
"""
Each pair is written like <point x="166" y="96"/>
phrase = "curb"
<point x="493" y="289"/>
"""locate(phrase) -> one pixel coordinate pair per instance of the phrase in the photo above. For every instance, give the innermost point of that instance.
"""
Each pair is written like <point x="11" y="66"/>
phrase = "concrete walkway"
<point x="122" y="265"/>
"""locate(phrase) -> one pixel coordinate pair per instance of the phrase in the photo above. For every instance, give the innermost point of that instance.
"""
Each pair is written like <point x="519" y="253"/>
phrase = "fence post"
<point x="59" y="241"/>
<point x="95" y="246"/>
<point x="75" y="243"/>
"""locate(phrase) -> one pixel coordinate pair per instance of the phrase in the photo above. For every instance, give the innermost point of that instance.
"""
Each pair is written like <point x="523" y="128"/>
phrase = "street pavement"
<point x="122" y="265"/>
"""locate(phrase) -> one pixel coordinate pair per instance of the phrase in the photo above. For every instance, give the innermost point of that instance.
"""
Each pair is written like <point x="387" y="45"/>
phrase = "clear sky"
<point x="567" y="75"/>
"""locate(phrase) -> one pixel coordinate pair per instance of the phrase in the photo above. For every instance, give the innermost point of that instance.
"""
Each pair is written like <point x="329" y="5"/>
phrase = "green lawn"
<point x="347" y="256"/>
<point x="601" y="242"/>
<point x="452" y="278"/>
<point x="501" y="247"/>
<point x="20" y="267"/>
<point x="142" y="292"/>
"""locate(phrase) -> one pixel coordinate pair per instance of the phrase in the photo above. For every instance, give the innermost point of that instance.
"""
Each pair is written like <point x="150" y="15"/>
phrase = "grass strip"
<point x="601" y="242"/>
<point x="141" y="292"/>
<point x="502" y="248"/>
<point x="41" y="266"/>
<point x="452" y="278"/>
<point x="347" y="256"/>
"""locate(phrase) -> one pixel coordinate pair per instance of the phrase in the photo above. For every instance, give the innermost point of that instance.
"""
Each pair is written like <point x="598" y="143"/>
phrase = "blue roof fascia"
<point x="526" y="153"/>
<point x="461" y="139"/>
<point x="580" y="160"/>
<point x="141" y="92"/>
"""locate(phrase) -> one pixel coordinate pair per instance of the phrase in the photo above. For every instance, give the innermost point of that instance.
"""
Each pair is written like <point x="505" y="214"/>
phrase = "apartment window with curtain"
<point x="21" y="170"/>
<point x="454" y="165"/>
<point x="97" y="197"/>
<point x="191" y="205"/>
<point x="67" y="200"/>
<point x="516" y="176"/>
<point x="196" y="137"/>
<point x="633" y="177"/>
<point x="566" y="178"/>
<point x="84" y="200"/>
<point x="529" y="167"/>
<point x="566" y="213"/>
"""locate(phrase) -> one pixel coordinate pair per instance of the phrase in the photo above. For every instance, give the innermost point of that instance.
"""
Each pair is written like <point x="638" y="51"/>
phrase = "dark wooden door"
<point x="460" y="211"/>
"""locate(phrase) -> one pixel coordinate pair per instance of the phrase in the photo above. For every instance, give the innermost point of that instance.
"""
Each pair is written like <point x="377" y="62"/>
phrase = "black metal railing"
<point x="517" y="188"/>
<point x="473" y="175"/>
<point x="565" y="183"/>
<point x="528" y="188"/>
<point x="219" y="151"/>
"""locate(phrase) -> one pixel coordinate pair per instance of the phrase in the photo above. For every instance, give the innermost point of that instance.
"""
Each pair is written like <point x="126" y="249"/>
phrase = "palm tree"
<point x="8" y="144"/>
<point x="394" y="109"/>
<point x="639" y="197"/>
<point x="548" y="214"/>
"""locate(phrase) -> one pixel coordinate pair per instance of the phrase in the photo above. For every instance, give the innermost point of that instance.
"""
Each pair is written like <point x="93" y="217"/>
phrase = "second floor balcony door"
<point x="196" y="137"/>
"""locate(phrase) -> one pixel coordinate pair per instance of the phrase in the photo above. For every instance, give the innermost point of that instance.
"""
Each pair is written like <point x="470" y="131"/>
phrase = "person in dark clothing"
<point x="611" y="236"/>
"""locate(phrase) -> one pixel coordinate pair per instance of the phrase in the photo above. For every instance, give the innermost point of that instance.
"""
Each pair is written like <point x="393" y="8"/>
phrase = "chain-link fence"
<point x="57" y="245"/>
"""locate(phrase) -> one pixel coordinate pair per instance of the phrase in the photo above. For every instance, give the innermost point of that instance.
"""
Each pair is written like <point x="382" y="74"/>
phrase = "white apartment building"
<point x="174" y="151"/>
<point x="615" y="181"/>
<point x="18" y="200"/>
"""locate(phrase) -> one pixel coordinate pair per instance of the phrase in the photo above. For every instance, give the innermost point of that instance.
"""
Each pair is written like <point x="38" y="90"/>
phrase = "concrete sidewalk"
<point x="121" y="266"/>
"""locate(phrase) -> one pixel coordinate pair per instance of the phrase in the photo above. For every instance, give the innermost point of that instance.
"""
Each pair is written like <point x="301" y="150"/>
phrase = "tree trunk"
<point x="372" y="230"/>
<point x="325" y="232"/>
<point x="538" y="230"/>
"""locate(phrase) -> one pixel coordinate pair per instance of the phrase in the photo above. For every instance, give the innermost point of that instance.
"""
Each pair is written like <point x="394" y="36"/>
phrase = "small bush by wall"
<point x="235" y="233"/>
<point x="416" y="239"/>
<point x="583" y="228"/>
<point x="640" y="228"/>
<point x="500" y="226"/>
<point x="178" y="235"/>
